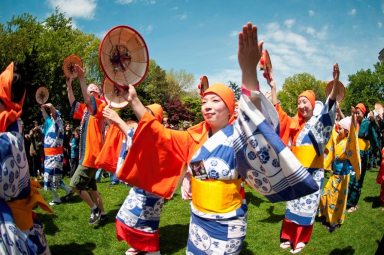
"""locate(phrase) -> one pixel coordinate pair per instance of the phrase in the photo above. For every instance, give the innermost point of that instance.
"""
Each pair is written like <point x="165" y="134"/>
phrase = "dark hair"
<point x="18" y="84"/>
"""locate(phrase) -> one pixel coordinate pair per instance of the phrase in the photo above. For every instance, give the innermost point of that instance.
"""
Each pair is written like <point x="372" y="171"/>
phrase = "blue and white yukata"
<point x="138" y="219"/>
<point x="249" y="150"/>
<point x="15" y="186"/>
<point x="53" y="163"/>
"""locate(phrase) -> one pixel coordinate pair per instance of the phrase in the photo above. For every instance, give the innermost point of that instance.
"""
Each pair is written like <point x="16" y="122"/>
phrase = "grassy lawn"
<point x="68" y="231"/>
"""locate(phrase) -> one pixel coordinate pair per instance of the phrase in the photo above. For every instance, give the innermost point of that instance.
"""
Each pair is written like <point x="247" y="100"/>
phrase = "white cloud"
<point x="379" y="24"/>
<point x="75" y="8"/>
<point x="183" y="16"/>
<point x="175" y="8"/>
<point x="124" y="1"/>
<point x="311" y="13"/>
<point x="352" y="12"/>
<point x="234" y="33"/>
<point x="289" y="23"/>
<point x="149" y="29"/>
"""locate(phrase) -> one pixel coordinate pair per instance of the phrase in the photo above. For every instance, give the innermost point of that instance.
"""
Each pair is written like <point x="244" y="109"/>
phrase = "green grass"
<point x="68" y="232"/>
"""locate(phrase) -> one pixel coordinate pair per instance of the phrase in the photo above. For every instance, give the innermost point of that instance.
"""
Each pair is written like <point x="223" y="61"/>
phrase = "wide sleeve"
<point x="77" y="110"/>
<point x="284" y="122"/>
<point x="157" y="158"/>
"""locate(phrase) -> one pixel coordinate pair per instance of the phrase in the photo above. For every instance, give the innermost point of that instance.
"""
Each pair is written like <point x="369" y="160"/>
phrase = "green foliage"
<point x="181" y="79"/>
<point x="365" y="86"/>
<point x="296" y="84"/>
<point x="236" y="89"/>
<point x="193" y="102"/>
<point x="41" y="47"/>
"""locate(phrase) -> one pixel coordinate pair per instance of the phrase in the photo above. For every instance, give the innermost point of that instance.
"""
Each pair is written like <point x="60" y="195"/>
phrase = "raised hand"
<point x="249" y="54"/>
<point x="336" y="72"/>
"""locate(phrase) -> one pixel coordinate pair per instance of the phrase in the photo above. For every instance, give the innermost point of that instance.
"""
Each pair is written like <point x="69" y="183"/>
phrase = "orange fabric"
<point x="157" y="111"/>
<point x="289" y="127"/>
<point x="362" y="108"/>
<point x="158" y="156"/>
<point x="12" y="109"/>
<point x="53" y="151"/>
<point x="94" y="132"/>
<point x="22" y="208"/>
<point x="310" y="95"/>
<point x="226" y="94"/>
<point x="109" y="154"/>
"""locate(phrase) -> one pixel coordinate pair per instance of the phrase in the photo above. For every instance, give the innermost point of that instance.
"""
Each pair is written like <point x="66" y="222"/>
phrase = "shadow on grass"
<point x="374" y="200"/>
<point x="50" y="227"/>
<point x="245" y="250"/>
<point x="111" y="219"/>
<point x="273" y="217"/>
<point x="345" y="251"/>
<point x="173" y="238"/>
<point x="380" y="247"/>
<point x="252" y="199"/>
<point x="73" y="248"/>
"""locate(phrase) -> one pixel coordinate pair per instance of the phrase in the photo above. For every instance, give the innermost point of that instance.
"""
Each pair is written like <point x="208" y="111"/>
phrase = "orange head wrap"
<point x="362" y="108"/>
<point x="13" y="109"/>
<point x="157" y="111"/>
<point x="310" y="95"/>
<point x="226" y="94"/>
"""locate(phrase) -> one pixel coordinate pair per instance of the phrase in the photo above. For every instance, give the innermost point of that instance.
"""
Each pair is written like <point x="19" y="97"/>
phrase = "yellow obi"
<point x="216" y="196"/>
<point x="364" y="144"/>
<point x="307" y="156"/>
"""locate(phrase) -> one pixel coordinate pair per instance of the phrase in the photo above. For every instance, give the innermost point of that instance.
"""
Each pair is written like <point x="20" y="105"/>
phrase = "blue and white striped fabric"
<point x="53" y="164"/>
<point x="218" y="233"/>
<point x="263" y="160"/>
<point x="316" y="132"/>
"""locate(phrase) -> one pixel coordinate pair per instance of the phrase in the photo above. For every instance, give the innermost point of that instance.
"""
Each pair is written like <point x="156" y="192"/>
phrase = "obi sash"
<point x="216" y="196"/>
<point x="306" y="154"/>
<point x="364" y="145"/>
<point x="53" y="151"/>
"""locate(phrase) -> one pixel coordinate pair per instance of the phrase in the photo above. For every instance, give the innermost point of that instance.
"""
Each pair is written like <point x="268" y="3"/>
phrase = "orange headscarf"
<point x="310" y="95"/>
<point x="362" y="108"/>
<point x="226" y="94"/>
<point x="12" y="109"/>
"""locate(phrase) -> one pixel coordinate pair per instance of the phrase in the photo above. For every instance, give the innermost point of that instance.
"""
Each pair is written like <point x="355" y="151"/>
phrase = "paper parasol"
<point x="123" y="56"/>
<point x="265" y="64"/>
<point x="203" y="85"/>
<point x="69" y="65"/>
<point x="42" y="95"/>
<point x="340" y="90"/>
<point x="115" y="95"/>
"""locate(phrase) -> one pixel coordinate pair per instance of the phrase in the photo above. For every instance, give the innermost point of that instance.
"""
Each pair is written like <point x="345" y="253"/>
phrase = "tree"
<point x="365" y="86"/>
<point x="182" y="79"/>
<point x="41" y="47"/>
<point x="236" y="89"/>
<point x="296" y="84"/>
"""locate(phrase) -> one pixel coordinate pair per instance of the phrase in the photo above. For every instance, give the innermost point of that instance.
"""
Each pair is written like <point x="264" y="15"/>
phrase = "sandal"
<point x="132" y="251"/>
<point x="285" y="245"/>
<point x="298" y="249"/>
<point x="352" y="209"/>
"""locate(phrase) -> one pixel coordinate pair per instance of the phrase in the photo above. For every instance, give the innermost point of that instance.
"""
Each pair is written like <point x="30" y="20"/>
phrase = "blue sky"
<point x="200" y="36"/>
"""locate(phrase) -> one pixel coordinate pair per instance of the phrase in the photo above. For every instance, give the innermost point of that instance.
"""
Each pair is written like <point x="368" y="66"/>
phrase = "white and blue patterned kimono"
<point x="141" y="209"/>
<point x="251" y="150"/>
<point x="316" y="132"/>
<point x="53" y="164"/>
<point x="15" y="184"/>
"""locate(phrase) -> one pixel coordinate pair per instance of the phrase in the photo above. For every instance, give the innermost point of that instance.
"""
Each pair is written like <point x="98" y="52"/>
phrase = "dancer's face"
<point x="214" y="111"/>
<point x="305" y="108"/>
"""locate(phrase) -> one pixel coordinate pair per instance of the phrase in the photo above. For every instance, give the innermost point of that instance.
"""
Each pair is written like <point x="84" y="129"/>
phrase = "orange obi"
<point x="216" y="196"/>
<point x="307" y="156"/>
<point x="364" y="145"/>
<point x="53" y="151"/>
<point x="22" y="209"/>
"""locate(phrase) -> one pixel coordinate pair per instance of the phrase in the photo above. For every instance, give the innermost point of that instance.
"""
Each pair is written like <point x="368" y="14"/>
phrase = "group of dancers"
<point x="258" y="144"/>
